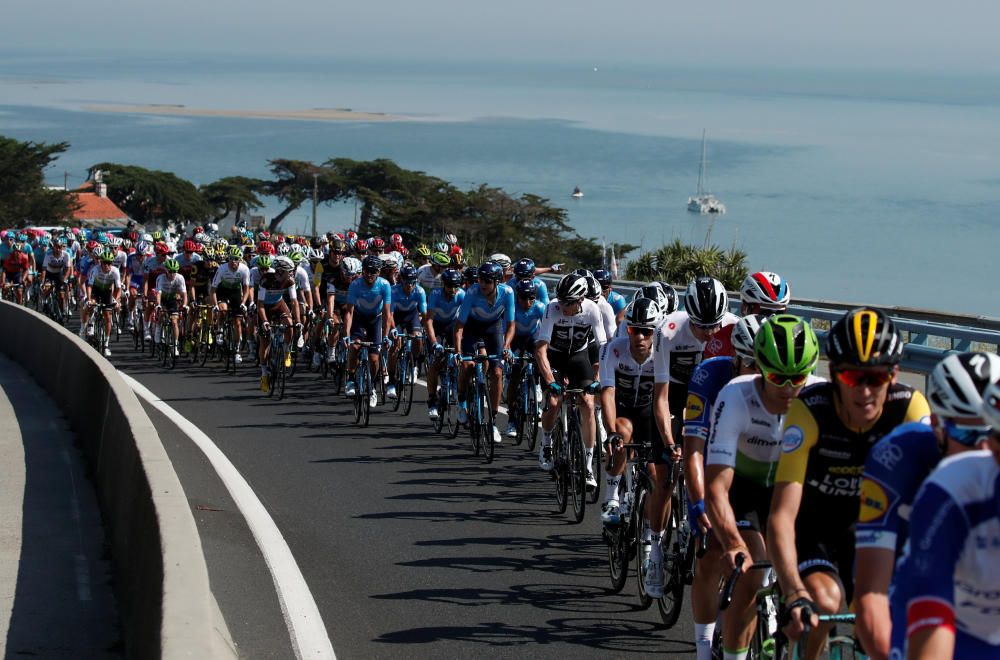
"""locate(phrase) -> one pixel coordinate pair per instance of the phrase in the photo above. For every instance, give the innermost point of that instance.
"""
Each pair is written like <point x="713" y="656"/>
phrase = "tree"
<point x="151" y="196"/>
<point x="294" y="184"/>
<point x="24" y="199"/>
<point x="679" y="263"/>
<point x="233" y="194"/>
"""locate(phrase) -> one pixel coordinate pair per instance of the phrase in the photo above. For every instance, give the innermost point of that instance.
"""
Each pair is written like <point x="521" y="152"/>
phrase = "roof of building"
<point x="94" y="208"/>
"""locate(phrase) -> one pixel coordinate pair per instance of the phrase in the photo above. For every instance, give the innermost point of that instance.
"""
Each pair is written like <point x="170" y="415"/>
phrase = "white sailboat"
<point x="704" y="201"/>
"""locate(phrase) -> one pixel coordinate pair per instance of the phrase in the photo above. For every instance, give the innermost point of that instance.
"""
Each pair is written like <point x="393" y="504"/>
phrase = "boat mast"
<point x="701" y="169"/>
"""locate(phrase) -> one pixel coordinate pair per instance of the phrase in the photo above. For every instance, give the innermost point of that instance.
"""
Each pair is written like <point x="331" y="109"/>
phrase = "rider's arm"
<point x="459" y="330"/>
<point x="348" y="319"/>
<point x="429" y="327"/>
<point x="873" y="573"/>
<point x="609" y="413"/>
<point x="542" y="357"/>
<point x="661" y="389"/>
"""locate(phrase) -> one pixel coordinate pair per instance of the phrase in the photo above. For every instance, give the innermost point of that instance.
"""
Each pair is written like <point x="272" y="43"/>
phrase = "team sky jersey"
<point x="633" y="382"/>
<point x="476" y="308"/>
<point x="571" y="334"/>
<point x="369" y="301"/>
<point x="53" y="264"/>
<point x="427" y="279"/>
<point x="608" y="317"/>
<point x="528" y="321"/>
<point x="678" y="352"/>
<point x="543" y="291"/>
<point x="617" y="302"/>
<point x="949" y="572"/>
<point x="894" y="470"/>
<point x="171" y="288"/>
<point x="416" y="299"/>
<point x="271" y="291"/>
<point x="828" y="459"/>
<point x="707" y="381"/>
<point x="444" y="310"/>
<point x="744" y="435"/>
<point x="227" y="280"/>
<point x="101" y="281"/>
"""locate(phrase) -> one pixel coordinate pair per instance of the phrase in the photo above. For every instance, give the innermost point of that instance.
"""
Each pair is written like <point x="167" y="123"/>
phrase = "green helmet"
<point x="440" y="259"/>
<point x="786" y="345"/>
<point x="172" y="265"/>
<point x="108" y="257"/>
<point x="235" y="252"/>
<point x="264" y="261"/>
<point x="295" y="256"/>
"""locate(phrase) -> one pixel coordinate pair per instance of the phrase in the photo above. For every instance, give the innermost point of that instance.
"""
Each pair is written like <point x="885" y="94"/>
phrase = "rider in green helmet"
<point x="786" y="349"/>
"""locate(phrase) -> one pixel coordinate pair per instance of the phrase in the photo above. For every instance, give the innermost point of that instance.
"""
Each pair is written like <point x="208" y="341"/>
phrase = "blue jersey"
<point x="527" y="321"/>
<point x="415" y="300"/>
<point x="475" y="307"/>
<point x="707" y="380"/>
<point x="948" y="575"/>
<point x="617" y="302"/>
<point x="5" y="250"/>
<point x="543" y="292"/>
<point x="40" y="251"/>
<point x="445" y="311"/>
<point x="369" y="301"/>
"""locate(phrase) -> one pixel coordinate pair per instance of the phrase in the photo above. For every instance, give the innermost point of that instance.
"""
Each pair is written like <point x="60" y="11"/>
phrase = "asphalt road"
<point x="410" y="545"/>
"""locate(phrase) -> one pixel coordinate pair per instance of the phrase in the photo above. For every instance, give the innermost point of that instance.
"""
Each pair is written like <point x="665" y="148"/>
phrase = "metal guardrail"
<point x="929" y="335"/>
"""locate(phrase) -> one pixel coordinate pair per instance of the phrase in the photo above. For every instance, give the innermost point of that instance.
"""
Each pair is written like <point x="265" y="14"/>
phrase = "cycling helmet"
<point x="235" y="252"/>
<point x="450" y="239"/>
<point x="766" y="289"/>
<point x="161" y="248"/>
<point x="396" y="240"/>
<point x="337" y="245"/>
<point x="388" y="261"/>
<point x="296" y="257"/>
<point x="603" y="277"/>
<point x="361" y="245"/>
<point x="440" y="259"/>
<point x="991" y="406"/>
<point x="91" y="245"/>
<point x="351" y="235"/>
<point x="501" y="259"/>
<point x="441" y="247"/>
<point x="352" y="266"/>
<point x="284" y="249"/>
<point x="212" y="227"/>
<point x="593" y="288"/>
<point x="643" y="313"/>
<point x="451" y="278"/>
<point x="296" y="247"/>
<point x="490" y="270"/>
<point x="108" y="257"/>
<point x="172" y="265"/>
<point x="127" y="244"/>
<point x="655" y="292"/>
<point x="189" y="246"/>
<point x="221" y="243"/>
<point x="526" y="289"/>
<point x="101" y="238"/>
<point x="316" y="254"/>
<point x="408" y="274"/>
<point x="470" y="274"/>
<point x="786" y="345"/>
<point x="524" y="268"/>
<point x="403" y="251"/>
<point x="371" y="264"/>
<point x="157" y="235"/>
<point x="283" y="265"/>
<point x="377" y="244"/>
<point x="706" y="301"/>
<point x="864" y="337"/>
<point x="424" y="251"/>
<point x="264" y="262"/>
<point x="744" y="334"/>
<point x="147" y="250"/>
<point x="585" y="272"/>
<point x="571" y="288"/>
<point x="141" y="247"/>
<point x="955" y="386"/>
<point x="265" y="247"/>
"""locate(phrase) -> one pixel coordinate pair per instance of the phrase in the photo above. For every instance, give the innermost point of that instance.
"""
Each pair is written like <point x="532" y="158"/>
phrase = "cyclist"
<point x="16" y="270"/>
<point x="230" y="292"/>
<point x="744" y="446"/>
<point x="615" y="299"/>
<point x="429" y="275"/>
<point x="828" y="433"/>
<point x="948" y="575"/>
<point x="57" y="268"/>
<point x="171" y="295"/>
<point x="525" y="269"/>
<point x="571" y="325"/>
<point x="487" y="316"/>
<point x="707" y="381"/>
<point x="607" y="311"/>
<point x="527" y="321"/>
<point x="152" y="268"/>
<point x="304" y="288"/>
<point x="409" y="306"/>
<point x="894" y="470"/>
<point x="442" y="312"/>
<point x="764" y="293"/>
<point x="680" y="342"/>
<point x="135" y="273"/>
<point x="335" y="275"/>
<point x="276" y="301"/>
<point x="626" y="370"/>
<point x="104" y="286"/>
<point x="367" y="317"/>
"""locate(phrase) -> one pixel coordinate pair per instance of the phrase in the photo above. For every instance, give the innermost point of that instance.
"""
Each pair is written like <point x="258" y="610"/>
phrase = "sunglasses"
<point x="488" y="280"/>
<point x="645" y="332"/>
<point x="785" y="380"/>
<point x="965" y="434"/>
<point x="372" y="272"/>
<point x="858" y="378"/>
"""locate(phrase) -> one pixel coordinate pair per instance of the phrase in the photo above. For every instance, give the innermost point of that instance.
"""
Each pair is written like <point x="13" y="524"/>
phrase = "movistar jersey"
<point x="445" y="311"/>
<point x="416" y="299"/>
<point x="369" y="300"/>
<point x="475" y="307"/>
<point x="527" y="321"/>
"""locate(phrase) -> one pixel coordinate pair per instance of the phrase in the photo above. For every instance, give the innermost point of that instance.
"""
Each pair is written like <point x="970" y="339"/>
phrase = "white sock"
<point x="735" y="655"/>
<point x="546" y="438"/>
<point x="703" y="633"/>
<point x="611" y="488"/>
<point x="588" y="458"/>
<point x="656" y="552"/>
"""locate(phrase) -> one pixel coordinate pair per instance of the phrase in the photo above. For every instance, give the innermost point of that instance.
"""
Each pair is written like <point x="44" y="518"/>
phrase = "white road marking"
<point x="305" y="625"/>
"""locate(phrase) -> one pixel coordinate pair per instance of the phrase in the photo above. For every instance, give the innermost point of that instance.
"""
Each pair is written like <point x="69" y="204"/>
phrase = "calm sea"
<point x="874" y="187"/>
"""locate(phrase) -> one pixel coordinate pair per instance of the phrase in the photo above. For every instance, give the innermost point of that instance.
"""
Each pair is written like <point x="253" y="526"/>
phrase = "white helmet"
<point x="991" y="406"/>
<point x="706" y="301"/>
<point x="212" y="227"/>
<point x="955" y="386"/>
<point x="745" y="333"/>
<point x="352" y="265"/>
<point x="766" y="289"/>
<point x="283" y="264"/>
<point x="501" y="259"/>
<point x="284" y="248"/>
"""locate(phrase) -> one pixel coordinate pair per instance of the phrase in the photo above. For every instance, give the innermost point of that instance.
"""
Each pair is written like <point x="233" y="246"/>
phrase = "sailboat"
<point x="704" y="201"/>
<point x="577" y="192"/>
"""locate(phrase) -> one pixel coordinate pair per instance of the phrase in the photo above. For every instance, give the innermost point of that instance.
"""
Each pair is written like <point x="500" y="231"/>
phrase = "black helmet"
<point x="603" y="277"/>
<point x="524" y="268"/>
<point x="490" y="270"/>
<point x="643" y="313"/>
<point x="470" y="273"/>
<point x="864" y="337"/>
<point x="667" y="300"/>
<point x="706" y="301"/>
<point x="408" y="273"/>
<point x="371" y="264"/>
<point x="593" y="288"/>
<point x="571" y="288"/>
<point x="451" y="277"/>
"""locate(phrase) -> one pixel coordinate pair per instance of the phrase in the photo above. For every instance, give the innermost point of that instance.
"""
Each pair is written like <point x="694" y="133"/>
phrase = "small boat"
<point x="704" y="201"/>
<point x="577" y="192"/>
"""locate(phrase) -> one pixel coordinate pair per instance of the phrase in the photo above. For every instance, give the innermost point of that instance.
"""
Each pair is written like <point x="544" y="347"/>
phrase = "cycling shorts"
<point x="232" y="298"/>
<point x="15" y="278"/>
<point x="819" y="550"/>
<point x="101" y="296"/>
<point x="523" y="344"/>
<point x="751" y="504"/>
<point x="576" y="368"/>
<point x="407" y="321"/>
<point x="135" y="282"/>
<point x="367" y="328"/>
<point x="644" y="430"/>
<point x="444" y="331"/>
<point x="277" y="312"/>
<point x="58" y="280"/>
<point x="170" y="305"/>
<point x="490" y="334"/>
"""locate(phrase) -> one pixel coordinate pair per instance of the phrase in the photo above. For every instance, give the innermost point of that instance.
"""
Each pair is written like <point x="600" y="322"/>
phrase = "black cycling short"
<point x="751" y="504"/>
<point x="677" y="400"/>
<point x="366" y="328"/>
<point x="101" y="296"/>
<point x="523" y="343"/>
<point x="232" y="298"/>
<point x="644" y="430"/>
<point x="576" y="367"/>
<point x="820" y="550"/>
<point x="170" y="305"/>
<point x="57" y="280"/>
<point x="594" y="351"/>
<point x="490" y="334"/>
<point x="408" y="322"/>
<point x="444" y="332"/>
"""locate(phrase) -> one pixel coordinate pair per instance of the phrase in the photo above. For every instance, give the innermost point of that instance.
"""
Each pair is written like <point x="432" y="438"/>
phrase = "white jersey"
<point x="54" y="264"/>
<point x="608" y="314"/>
<point x="102" y="281"/>
<point x="231" y="280"/>
<point x="744" y="435"/>
<point x="120" y="258"/>
<point x="678" y="351"/>
<point x="255" y="276"/>
<point x="172" y="288"/>
<point x="427" y="279"/>
<point x="633" y="382"/>
<point x="303" y="281"/>
<point x="571" y="333"/>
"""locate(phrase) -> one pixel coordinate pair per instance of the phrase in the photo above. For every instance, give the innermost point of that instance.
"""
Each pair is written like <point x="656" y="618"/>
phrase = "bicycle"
<point x="679" y="550"/>
<point x="569" y="469"/>
<point x="364" y="387"/>
<point x="525" y="411"/>
<point x="447" y="396"/>
<point x="480" y="412"/>
<point x="51" y="306"/>
<point x="767" y="641"/>
<point x="169" y="345"/>
<point x="229" y="347"/>
<point x="276" y="361"/>
<point x="203" y="342"/>
<point x="100" y="337"/>
<point x="403" y="373"/>
<point x="137" y="323"/>
<point x="625" y="539"/>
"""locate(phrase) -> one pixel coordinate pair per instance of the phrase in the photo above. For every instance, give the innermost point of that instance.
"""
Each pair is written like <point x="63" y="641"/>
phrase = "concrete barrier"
<point x="161" y="579"/>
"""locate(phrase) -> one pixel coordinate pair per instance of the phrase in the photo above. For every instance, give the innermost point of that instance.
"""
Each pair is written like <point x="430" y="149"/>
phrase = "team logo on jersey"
<point x="695" y="407"/>
<point x="699" y="377"/>
<point x="874" y="501"/>
<point x="887" y="454"/>
<point x="792" y="439"/>
<point x="671" y="325"/>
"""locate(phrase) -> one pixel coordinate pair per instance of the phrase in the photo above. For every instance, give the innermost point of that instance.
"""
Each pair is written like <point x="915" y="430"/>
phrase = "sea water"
<point x="871" y="187"/>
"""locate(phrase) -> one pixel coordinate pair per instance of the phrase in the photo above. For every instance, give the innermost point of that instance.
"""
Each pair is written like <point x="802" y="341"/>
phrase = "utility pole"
<point x="315" y="199"/>
<point x="65" y="180"/>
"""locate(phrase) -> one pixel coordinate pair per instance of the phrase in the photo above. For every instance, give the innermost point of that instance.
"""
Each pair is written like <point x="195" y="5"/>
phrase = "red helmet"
<point x="340" y="236"/>
<point x="190" y="246"/>
<point x="198" y="230"/>
<point x="161" y="248"/>
<point x="265" y="247"/>
<point x="396" y="240"/>
<point x="91" y="245"/>
<point x="353" y="235"/>
<point x="361" y="245"/>
<point x="199" y="248"/>
<point x="378" y="244"/>
<point x="403" y="251"/>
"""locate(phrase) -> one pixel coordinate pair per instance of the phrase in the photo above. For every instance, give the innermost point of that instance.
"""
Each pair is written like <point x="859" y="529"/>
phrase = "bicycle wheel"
<point x="452" y="395"/>
<point x="172" y="347"/>
<point x="638" y="517"/>
<point x="396" y="378"/>
<point x="577" y="469"/>
<point x="596" y="465"/>
<point x="617" y="540"/>
<point x="406" y="388"/>
<point x="366" y="399"/>
<point x="560" y="469"/>
<point x="486" y="434"/>
<point x="358" y="409"/>
<point x="532" y="418"/>
<point x="473" y="417"/>
<point x="673" y="560"/>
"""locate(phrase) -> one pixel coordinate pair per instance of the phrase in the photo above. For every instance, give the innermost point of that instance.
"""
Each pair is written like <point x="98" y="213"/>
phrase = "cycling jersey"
<point x="16" y="262"/>
<point x="608" y="317"/>
<point x="617" y="302"/>
<point x="154" y="267"/>
<point x="543" y="291"/>
<point x="171" y="289"/>
<point x="948" y="575"/>
<point x="303" y="279"/>
<point x="428" y="279"/>
<point x="707" y="381"/>
<point x="136" y="269"/>
<point x="99" y="280"/>
<point x="272" y="291"/>
<point x="633" y="382"/>
<point x="369" y="300"/>
<point x="528" y="321"/>
<point x="571" y="334"/>
<point x="187" y="261"/>
<point x="53" y="264"/>
<point x="678" y="351"/>
<point x="476" y="308"/>
<point x="333" y="280"/>
<point x="721" y="343"/>
<point x="415" y="300"/>
<point x="445" y="311"/>
<point x="227" y="280"/>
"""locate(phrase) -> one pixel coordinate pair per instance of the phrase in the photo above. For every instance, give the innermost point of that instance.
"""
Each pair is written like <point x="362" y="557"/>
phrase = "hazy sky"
<point x="906" y="34"/>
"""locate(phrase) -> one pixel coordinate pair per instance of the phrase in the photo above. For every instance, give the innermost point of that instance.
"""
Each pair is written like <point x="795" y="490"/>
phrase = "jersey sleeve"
<point x="878" y="514"/>
<point x="465" y="309"/>
<point x="697" y="411"/>
<point x="352" y="294"/>
<point x="797" y="440"/>
<point x="245" y="279"/>
<point x="548" y="321"/>
<point x="217" y="278"/>
<point x="508" y="305"/>
<point x="421" y="300"/>
<point x="918" y="410"/>
<point x="661" y="359"/>
<point x="607" y="370"/>
<point x="543" y="292"/>
<point x="724" y="437"/>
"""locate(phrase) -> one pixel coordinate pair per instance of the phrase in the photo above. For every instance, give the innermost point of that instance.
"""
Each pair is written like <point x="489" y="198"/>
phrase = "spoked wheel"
<point x="560" y="469"/>
<point x="406" y="388"/>
<point x="673" y="574"/>
<point x="474" y="430"/>
<point x="596" y="465"/>
<point x="618" y="542"/>
<point x="397" y="378"/>
<point x="442" y="418"/>
<point x="486" y="433"/>
<point x="577" y="472"/>
<point x="532" y="418"/>
<point x="638" y="515"/>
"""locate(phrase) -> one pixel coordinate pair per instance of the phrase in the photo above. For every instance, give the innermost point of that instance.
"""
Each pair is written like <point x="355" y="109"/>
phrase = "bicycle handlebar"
<point x="727" y="590"/>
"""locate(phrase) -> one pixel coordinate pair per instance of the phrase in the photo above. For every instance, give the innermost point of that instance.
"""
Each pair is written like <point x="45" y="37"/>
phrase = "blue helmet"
<point x="451" y="277"/>
<point x="524" y="268"/>
<point x="526" y="289"/>
<point x="408" y="274"/>
<point x="491" y="270"/>
<point x="603" y="277"/>
<point x="102" y="239"/>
